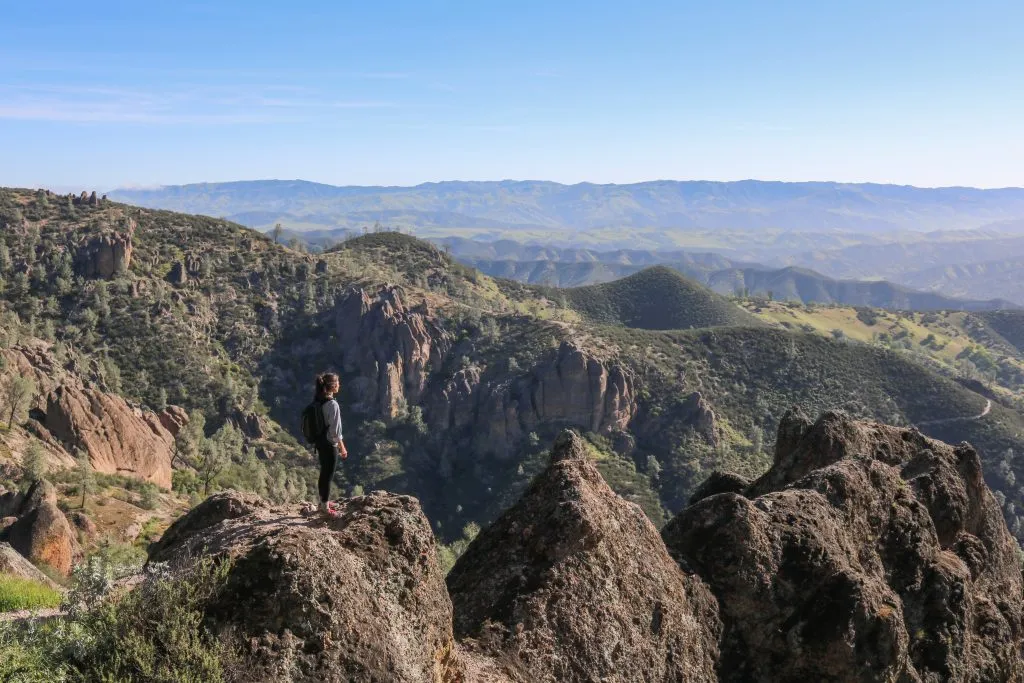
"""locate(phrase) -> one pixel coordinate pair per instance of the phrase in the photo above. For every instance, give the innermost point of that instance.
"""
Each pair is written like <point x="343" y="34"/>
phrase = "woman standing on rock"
<point x="329" y="443"/>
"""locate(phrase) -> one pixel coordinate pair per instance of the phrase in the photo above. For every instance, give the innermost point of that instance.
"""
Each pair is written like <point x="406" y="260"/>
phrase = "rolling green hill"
<point x="1008" y="324"/>
<point x="656" y="298"/>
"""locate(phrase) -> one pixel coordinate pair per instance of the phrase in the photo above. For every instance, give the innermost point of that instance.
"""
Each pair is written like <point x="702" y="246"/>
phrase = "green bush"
<point x="154" y="633"/>
<point x="17" y="593"/>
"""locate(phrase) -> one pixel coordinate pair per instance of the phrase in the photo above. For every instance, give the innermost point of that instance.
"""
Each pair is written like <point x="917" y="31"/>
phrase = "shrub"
<point x="157" y="631"/>
<point x="17" y="593"/>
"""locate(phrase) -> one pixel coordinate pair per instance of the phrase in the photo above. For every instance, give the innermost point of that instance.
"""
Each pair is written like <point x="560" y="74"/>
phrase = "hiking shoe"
<point x="326" y="510"/>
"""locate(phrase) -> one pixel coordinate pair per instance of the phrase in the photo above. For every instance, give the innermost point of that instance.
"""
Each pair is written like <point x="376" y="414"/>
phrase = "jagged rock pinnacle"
<point x="568" y="446"/>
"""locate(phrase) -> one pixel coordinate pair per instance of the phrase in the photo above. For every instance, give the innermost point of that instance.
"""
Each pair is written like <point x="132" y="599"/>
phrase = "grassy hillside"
<point x="955" y="344"/>
<point x="656" y="298"/>
<point x="1007" y="324"/>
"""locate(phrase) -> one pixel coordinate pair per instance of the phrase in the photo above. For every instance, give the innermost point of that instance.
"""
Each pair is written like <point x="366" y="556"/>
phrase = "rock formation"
<point x="866" y="553"/>
<point x="357" y="598"/>
<point x="389" y="350"/>
<point x="71" y="412"/>
<point x="42" y="532"/>
<point x="106" y="255"/>
<point x="119" y="439"/>
<point x="570" y="388"/>
<point x="388" y="346"/>
<point x="13" y="563"/>
<point x="178" y="275"/>
<point x="574" y="583"/>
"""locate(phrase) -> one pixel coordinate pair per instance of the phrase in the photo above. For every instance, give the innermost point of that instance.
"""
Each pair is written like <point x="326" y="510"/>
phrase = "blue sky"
<point x="109" y="94"/>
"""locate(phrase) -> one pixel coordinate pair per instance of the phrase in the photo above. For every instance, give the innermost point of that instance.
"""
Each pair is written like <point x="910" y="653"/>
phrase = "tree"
<point x="33" y="462"/>
<point x="189" y="439"/>
<point x="85" y="478"/>
<point x="278" y="231"/>
<point x="16" y="393"/>
<point x="212" y="461"/>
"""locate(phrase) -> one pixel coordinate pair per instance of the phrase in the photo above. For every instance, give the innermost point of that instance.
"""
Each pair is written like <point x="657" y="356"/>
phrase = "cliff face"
<point x="393" y="351"/>
<point x="866" y="553"/>
<point x="71" y="411"/>
<point x="388" y="346"/>
<point x="118" y="438"/>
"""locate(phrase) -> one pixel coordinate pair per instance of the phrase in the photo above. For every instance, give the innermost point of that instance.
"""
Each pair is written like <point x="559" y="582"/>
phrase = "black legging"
<point x="328" y="453"/>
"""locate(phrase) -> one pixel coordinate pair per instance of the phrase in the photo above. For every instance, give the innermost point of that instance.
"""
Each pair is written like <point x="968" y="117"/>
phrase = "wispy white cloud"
<point x="178" y="104"/>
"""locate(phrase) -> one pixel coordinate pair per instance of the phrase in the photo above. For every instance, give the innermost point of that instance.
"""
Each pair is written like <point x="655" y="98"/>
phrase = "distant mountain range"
<point x="554" y="267"/>
<point x="664" y="204"/>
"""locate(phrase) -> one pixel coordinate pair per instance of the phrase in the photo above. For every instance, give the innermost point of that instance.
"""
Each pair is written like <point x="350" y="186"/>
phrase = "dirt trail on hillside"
<point x="966" y="418"/>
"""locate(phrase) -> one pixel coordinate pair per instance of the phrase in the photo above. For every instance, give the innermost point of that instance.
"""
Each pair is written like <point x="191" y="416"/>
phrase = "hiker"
<point x="322" y="427"/>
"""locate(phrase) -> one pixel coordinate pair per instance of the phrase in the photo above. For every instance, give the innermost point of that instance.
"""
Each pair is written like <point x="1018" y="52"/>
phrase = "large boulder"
<point x="13" y="563"/>
<point x="42" y="532"/>
<point x="357" y="598"/>
<point x="866" y="553"/>
<point x="119" y="438"/>
<point x="574" y="583"/>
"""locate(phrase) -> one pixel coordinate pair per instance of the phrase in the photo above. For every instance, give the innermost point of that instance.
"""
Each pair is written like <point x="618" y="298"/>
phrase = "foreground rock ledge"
<point x="358" y="598"/>
<point x="574" y="584"/>
<point x="866" y="553"/>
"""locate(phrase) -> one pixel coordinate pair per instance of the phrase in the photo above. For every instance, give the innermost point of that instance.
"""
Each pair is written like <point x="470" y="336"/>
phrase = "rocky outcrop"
<point x="574" y="584"/>
<point x="357" y="598"/>
<point x="388" y="350"/>
<point x="118" y="438"/>
<point x="178" y="275"/>
<point x="173" y="418"/>
<point x="70" y="412"/>
<point x="42" y="532"/>
<point x="13" y="563"/>
<point x="388" y="347"/>
<point x="570" y="388"/>
<point x="106" y="255"/>
<point x="866" y="553"/>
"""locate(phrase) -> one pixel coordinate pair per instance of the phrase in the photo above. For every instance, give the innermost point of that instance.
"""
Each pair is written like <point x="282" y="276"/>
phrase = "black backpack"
<point x="314" y="427"/>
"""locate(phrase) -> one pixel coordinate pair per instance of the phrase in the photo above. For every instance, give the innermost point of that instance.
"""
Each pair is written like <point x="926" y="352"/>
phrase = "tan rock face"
<point x="13" y="563"/>
<point x="42" y="532"/>
<point x="867" y="553"/>
<point x="119" y="439"/>
<point x="357" y="598"/>
<point x="575" y="584"/>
